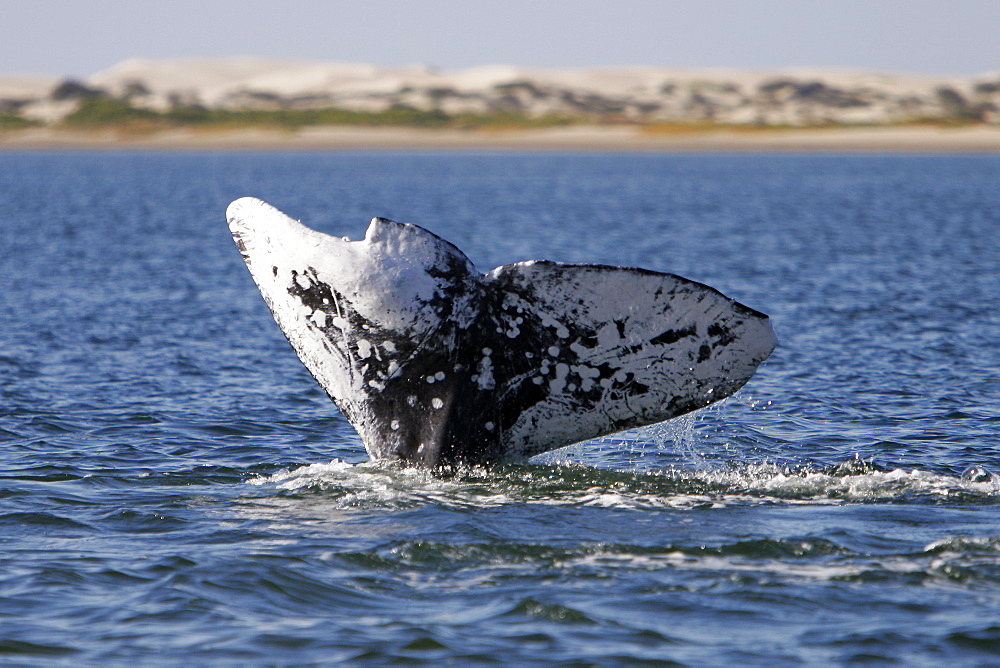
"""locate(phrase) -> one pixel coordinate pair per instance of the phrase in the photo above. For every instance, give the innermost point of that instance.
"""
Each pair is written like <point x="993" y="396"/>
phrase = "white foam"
<point x="382" y="485"/>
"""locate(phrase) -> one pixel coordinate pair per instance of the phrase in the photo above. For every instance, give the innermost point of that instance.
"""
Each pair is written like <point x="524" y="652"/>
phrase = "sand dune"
<point x="212" y="78"/>
<point x="623" y="108"/>
<point x="645" y="94"/>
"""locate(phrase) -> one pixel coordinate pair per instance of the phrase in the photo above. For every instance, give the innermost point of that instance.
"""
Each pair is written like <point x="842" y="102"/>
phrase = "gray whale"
<point x="437" y="364"/>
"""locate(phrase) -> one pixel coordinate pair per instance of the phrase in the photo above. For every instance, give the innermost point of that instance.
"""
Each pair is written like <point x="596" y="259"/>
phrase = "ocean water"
<point x="175" y="489"/>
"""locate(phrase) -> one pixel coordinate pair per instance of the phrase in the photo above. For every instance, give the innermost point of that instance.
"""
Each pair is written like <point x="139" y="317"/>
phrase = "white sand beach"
<point x="573" y="138"/>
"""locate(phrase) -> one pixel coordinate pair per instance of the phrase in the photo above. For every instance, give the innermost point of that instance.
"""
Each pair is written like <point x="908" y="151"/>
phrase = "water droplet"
<point x="977" y="474"/>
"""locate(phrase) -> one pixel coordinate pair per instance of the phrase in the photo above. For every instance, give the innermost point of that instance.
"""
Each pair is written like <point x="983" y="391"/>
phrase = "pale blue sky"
<point x="80" y="37"/>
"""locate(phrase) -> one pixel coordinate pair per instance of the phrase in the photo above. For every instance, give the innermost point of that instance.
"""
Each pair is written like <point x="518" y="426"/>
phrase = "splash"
<point x="853" y="481"/>
<point x="388" y="486"/>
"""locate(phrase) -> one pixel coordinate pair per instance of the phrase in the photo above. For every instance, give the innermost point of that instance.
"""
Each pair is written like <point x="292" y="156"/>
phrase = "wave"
<point x="384" y="485"/>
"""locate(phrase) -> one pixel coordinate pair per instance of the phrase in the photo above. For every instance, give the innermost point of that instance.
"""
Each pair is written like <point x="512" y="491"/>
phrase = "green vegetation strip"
<point x="101" y="111"/>
<point x="15" y="122"/>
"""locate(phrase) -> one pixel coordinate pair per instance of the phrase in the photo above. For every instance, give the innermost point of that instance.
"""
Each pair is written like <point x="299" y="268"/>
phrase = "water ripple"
<point x="174" y="488"/>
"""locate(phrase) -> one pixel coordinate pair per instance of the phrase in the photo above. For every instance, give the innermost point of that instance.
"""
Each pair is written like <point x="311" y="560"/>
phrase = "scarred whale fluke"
<point x="437" y="364"/>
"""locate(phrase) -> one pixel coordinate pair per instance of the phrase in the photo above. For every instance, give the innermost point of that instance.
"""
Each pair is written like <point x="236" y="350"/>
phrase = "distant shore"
<point x="914" y="139"/>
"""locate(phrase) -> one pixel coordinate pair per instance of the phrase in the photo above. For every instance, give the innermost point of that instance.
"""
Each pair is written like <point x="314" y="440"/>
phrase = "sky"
<point x="76" y="38"/>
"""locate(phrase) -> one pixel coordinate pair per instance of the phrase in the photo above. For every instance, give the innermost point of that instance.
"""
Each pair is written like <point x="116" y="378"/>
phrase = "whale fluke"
<point x="436" y="364"/>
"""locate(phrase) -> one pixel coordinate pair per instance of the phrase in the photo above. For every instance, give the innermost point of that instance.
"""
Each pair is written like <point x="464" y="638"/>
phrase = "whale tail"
<point x="436" y="364"/>
<point x="620" y="348"/>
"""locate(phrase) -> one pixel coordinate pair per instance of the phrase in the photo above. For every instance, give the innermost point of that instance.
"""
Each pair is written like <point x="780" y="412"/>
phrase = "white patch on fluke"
<point x="484" y="379"/>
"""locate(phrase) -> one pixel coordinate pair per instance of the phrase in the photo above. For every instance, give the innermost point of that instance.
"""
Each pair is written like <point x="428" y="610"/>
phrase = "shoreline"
<point x="631" y="139"/>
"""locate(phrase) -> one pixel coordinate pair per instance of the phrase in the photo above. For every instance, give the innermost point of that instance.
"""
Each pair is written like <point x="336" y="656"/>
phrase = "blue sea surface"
<point x="176" y="489"/>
